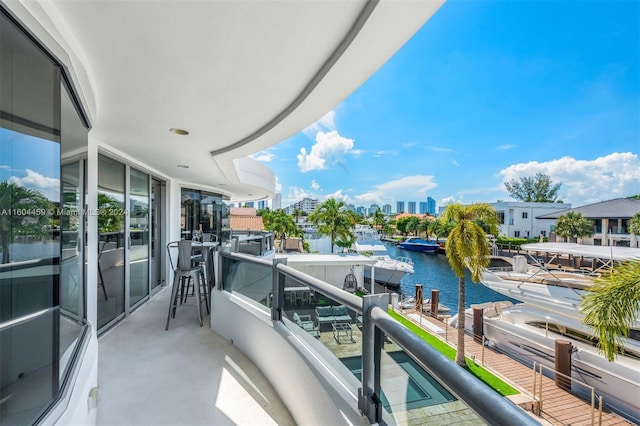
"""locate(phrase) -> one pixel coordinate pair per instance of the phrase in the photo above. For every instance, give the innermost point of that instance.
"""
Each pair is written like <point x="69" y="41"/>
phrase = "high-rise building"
<point x="431" y="206"/>
<point x="423" y="207"/>
<point x="276" y="203"/>
<point x="307" y="205"/>
<point x="372" y="209"/>
<point x="361" y="210"/>
<point x="262" y="204"/>
<point x="386" y="209"/>
<point x="400" y="207"/>
<point x="411" y="207"/>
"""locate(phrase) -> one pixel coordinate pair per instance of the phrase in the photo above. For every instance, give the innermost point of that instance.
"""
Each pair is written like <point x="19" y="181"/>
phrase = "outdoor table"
<point x="342" y="329"/>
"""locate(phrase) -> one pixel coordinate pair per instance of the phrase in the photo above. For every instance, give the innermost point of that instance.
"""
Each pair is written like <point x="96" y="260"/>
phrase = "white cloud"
<point x="505" y="146"/>
<point x="409" y="144"/>
<point x="329" y="148"/>
<point x="263" y="156"/>
<point x="407" y="188"/>
<point x="315" y="185"/>
<point x="440" y="149"/>
<point x="586" y="181"/>
<point x="455" y="163"/>
<point x="5" y="167"/>
<point x="49" y="187"/>
<point x="340" y="196"/>
<point x="379" y="154"/>
<point x="447" y="200"/>
<point x="326" y="123"/>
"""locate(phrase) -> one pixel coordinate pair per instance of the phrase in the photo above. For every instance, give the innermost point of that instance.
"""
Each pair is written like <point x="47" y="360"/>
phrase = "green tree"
<point x="379" y="219"/>
<point x="423" y="226"/>
<point x="412" y="225"/>
<point x="333" y="219"/>
<point x="467" y="248"/>
<point x="23" y="211"/>
<point x="611" y="306"/>
<point x="573" y="224"/>
<point x="440" y="228"/>
<point x="111" y="213"/>
<point x="297" y="213"/>
<point x="280" y="223"/>
<point x="538" y="189"/>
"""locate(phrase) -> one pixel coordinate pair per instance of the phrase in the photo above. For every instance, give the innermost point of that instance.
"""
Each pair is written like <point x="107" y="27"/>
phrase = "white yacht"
<point x="387" y="270"/>
<point x="550" y="311"/>
<point x="528" y="333"/>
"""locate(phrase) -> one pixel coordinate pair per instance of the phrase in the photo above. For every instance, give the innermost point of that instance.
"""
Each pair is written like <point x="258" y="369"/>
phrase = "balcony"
<point x="186" y="375"/>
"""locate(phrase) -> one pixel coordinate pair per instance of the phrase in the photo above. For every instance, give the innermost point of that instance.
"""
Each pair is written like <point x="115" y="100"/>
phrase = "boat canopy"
<point x="621" y="254"/>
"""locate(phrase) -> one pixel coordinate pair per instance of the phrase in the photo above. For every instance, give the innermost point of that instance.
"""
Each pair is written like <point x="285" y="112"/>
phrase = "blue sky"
<point x="27" y="161"/>
<point x="485" y="92"/>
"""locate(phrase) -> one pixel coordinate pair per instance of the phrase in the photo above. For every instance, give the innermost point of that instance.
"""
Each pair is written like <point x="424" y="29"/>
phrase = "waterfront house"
<point x="610" y="221"/>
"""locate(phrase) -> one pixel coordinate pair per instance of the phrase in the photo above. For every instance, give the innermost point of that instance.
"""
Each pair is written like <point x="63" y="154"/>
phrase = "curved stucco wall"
<point x="309" y="388"/>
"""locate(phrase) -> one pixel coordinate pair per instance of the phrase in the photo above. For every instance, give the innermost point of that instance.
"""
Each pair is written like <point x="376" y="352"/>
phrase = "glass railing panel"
<point x="30" y="373"/>
<point x="410" y="395"/>
<point x="332" y="324"/>
<point x="251" y="279"/>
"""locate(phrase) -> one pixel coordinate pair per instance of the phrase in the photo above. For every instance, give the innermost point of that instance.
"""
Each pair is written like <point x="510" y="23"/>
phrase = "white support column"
<point x="91" y="201"/>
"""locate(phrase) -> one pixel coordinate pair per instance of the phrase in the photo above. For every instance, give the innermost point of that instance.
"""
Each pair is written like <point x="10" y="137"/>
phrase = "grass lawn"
<point x="481" y="373"/>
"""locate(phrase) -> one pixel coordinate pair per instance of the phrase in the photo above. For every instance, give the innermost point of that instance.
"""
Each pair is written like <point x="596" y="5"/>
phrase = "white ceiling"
<point x="221" y="70"/>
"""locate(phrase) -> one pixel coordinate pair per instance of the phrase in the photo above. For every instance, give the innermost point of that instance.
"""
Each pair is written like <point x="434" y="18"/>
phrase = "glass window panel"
<point x="111" y="245"/>
<point x="139" y="234"/>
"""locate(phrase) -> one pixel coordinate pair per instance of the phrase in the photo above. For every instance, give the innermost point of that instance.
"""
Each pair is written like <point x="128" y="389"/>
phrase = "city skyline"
<point x="481" y="95"/>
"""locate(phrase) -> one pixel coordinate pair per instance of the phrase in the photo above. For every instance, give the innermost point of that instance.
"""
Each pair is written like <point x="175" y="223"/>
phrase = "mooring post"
<point x="563" y="364"/>
<point x="478" y="326"/>
<point x="435" y="302"/>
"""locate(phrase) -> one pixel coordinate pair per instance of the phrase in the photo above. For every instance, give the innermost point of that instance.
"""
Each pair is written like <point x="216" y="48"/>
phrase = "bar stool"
<point x="184" y="274"/>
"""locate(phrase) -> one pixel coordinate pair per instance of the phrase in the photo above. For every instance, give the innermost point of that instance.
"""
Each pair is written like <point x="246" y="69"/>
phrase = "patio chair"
<point x="307" y="324"/>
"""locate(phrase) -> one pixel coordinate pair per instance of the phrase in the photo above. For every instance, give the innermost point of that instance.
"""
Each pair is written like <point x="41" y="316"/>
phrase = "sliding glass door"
<point x="111" y="240"/>
<point x="138" y="236"/>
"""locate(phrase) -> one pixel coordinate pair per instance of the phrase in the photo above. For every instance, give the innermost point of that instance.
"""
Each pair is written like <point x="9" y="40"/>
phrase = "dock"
<point x="551" y="404"/>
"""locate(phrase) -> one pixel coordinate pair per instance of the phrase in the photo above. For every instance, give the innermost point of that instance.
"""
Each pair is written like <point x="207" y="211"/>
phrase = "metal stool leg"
<point x="196" y="284"/>
<point x="173" y="301"/>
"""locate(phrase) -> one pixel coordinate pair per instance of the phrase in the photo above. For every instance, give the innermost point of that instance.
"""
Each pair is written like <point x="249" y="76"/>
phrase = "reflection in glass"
<point x="70" y="272"/>
<point x="111" y="244"/>
<point x="157" y="190"/>
<point x="139" y="236"/>
<point x="200" y="213"/>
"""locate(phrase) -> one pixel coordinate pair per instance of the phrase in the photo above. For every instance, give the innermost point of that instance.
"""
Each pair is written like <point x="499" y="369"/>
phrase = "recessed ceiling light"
<point x="177" y="131"/>
<point x="250" y="195"/>
<point x="222" y="184"/>
<point x="182" y="166"/>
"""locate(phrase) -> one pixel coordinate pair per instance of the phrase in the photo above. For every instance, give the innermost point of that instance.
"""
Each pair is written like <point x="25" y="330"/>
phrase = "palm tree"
<point x="332" y="219"/>
<point x="297" y="213"/>
<point x="573" y="224"/>
<point x="612" y="306"/>
<point x="634" y="225"/>
<point x="31" y="204"/>
<point x="467" y="247"/>
<point x="379" y="220"/>
<point x="280" y="223"/>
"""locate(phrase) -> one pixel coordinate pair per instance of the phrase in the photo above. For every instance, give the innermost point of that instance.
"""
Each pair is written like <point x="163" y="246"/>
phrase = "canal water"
<point x="434" y="273"/>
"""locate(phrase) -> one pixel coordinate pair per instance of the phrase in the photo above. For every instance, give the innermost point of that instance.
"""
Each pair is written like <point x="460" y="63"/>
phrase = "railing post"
<point x="277" y="290"/>
<point x="372" y="340"/>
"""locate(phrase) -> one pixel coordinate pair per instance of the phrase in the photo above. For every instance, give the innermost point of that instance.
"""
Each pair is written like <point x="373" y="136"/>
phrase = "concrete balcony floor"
<point x="187" y="375"/>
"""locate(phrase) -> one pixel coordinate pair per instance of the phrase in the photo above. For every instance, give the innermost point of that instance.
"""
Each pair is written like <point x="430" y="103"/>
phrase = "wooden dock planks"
<point x="558" y="406"/>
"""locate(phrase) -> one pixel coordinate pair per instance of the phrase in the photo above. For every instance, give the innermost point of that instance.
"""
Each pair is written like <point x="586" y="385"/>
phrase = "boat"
<point x="557" y="290"/>
<point x="551" y="310"/>
<point x="410" y="303"/>
<point x="388" y="271"/>
<point x="420" y="245"/>
<point x="528" y="333"/>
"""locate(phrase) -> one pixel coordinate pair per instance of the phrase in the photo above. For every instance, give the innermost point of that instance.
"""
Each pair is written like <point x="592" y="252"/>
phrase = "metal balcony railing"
<point x="270" y="283"/>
